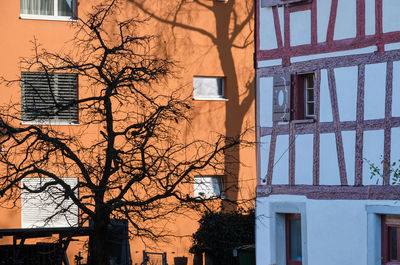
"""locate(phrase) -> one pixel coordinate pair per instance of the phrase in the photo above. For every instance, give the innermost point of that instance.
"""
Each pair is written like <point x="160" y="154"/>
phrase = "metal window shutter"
<point x="281" y="98"/>
<point x="36" y="207"/>
<point x="67" y="93"/>
<point x="49" y="97"/>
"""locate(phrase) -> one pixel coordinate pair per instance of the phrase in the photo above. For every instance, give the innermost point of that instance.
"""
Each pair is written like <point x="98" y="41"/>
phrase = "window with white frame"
<point x="309" y="102"/>
<point x="37" y="208"/>
<point x="49" y="98"/>
<point x="208" y="88"/>
<point x="48" y="9"/>
<point x="207" y="187"/>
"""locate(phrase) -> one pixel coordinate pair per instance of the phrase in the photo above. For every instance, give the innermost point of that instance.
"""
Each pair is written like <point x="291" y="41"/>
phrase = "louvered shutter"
<point x="67" y="93"/>
<point x="49" y="97"/>
<point x="281" y="98"/>
<point x="36" y="207"/>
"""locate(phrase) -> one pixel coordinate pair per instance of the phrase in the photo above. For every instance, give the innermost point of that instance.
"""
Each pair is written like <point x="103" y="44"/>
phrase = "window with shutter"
<point x="281" y="98"/>
<point x="293" y="97"/>
<point x="37" y="207"/>
<point x="49" y="98"/>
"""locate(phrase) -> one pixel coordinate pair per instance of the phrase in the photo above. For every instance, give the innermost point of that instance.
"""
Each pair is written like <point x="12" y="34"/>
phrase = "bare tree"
<point x="128" y="152"/>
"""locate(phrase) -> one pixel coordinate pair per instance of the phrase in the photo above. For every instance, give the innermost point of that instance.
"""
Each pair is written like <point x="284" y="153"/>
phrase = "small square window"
<point x="49" y="98"/>
<point x="208" y="88"/>
<point x="208" y="187"/>
<point x="48" y="9"/>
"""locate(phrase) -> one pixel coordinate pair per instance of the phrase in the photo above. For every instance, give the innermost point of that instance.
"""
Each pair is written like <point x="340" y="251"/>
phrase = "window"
<point x="207" y="187"/>
<point x="391" y="239"/>
<point x="293" y="239"/>
<point x="49" y="98"/>
<point x="36" y="207"/>
<point x="269" y="3"/>
<point x="48" y="9"/>
<point x="208" y="88"/>
<point x="293" y="97"/>
<point x="288" y="225"/>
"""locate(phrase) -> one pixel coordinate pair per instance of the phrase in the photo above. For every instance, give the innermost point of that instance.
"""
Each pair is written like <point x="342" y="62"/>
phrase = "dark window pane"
<point x="295" y="240"/>
<point x="310" y="94"/>
<point x="310" y="81"/>
<point x="393" y="243"/>
<point x="65" y="8"/>
<point x="310" y="108"/>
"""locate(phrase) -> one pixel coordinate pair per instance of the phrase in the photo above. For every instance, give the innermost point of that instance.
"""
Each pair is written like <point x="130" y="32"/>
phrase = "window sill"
<point x="303" y="121"/>
<point x="48" y="123"/>
<point x="50" y="18"/>
<point x="211" y="99"/>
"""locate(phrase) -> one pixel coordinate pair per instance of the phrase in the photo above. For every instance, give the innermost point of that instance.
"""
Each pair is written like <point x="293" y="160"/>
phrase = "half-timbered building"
<point x="328" y="130"/>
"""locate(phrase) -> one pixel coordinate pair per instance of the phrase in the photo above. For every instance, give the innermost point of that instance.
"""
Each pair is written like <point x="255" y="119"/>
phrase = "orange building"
<point x="212" y="46"/>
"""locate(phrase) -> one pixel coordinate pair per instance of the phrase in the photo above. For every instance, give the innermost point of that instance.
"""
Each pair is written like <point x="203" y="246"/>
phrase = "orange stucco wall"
<point x="203" y="38"/>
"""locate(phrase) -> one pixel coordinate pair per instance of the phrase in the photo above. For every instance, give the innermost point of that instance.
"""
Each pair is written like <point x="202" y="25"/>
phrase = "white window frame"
<point x="306" y="101"/>
<point x="220" y="97"/>
<point x="50" y="120"/>
<point x="54" y="17"/>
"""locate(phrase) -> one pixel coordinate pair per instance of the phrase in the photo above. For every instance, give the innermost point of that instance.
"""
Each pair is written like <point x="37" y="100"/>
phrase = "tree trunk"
<point x="99" y="251"/>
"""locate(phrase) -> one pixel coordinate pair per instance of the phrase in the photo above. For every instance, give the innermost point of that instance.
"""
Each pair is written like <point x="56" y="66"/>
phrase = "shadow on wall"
<point x="231" y="33"/>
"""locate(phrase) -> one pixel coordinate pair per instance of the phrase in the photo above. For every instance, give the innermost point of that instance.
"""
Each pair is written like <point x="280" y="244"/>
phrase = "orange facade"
<point x="204" y="38"/>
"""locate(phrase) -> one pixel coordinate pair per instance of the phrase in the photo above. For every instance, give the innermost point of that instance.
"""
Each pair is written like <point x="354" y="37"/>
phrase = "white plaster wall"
<point x="264" y="156"/>
<point x="349" y="145"/>
<point x="281" y="161"/>
<point x="328" y="165"/>
<point x="333" y="54"/>
<point x="396" y="89"/>
<point x="304" y="159"/>
<point x="300" y="28"/>
<point x="323" y="12"/>
<point x="267" y="63"/>
<point x="267" y="30"/>
<point x="336" y="230"/>
<point x="345" y="26"/>
<point x="346" y="87"/>
<point x="263" y="232"/>
<point x="370" y="17"/>
<point x="390" y="13"/>
<point x="374" y="91"/>
<point x="325" y="98"/>
<point x="265" y="101"/>
<point x="282" y="22"/>
<point x="392" y="46"/>
<point x="395" y="148"/>
<point x="372" y="152"/>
